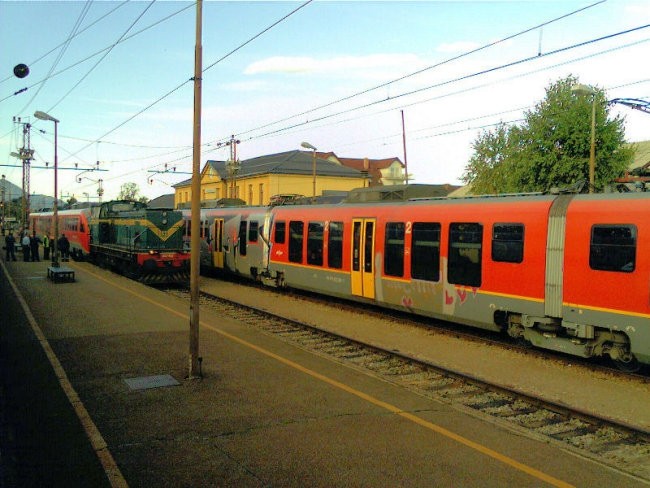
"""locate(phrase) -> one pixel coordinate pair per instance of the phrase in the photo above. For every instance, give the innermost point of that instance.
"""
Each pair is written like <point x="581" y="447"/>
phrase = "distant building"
<point x="257" y="180"/>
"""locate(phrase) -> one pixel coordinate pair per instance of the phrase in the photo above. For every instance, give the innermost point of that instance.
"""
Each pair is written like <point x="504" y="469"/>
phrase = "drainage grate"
<point x="147" y="382"/>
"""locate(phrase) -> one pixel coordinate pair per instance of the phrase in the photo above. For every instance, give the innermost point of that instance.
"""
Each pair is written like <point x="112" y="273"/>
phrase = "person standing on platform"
<point x="33" y="244"/>
<point x="25" y="242"/>
<point x="63" y="246"/>
<point x="10" y="243"/>
<point x="46" y="246"/>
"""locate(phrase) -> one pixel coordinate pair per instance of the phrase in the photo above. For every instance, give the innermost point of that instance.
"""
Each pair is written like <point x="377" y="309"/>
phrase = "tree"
<point x="551" y="147"/>
<point x="71" y="201"/>
<point x="129" y="191"/>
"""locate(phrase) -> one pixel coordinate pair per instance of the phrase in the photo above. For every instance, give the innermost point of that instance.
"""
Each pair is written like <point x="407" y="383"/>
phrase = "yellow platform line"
<point x="535" y="473"/>
<point x="113" y="473"/>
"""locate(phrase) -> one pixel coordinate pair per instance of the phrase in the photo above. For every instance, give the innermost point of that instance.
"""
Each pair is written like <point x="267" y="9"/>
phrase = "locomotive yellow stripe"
<point x="163" y="235"/>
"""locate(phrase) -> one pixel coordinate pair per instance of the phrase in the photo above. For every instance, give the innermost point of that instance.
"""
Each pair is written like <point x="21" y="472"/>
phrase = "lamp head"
<point x="43" y="116"/>
<point x="306" y="145"/>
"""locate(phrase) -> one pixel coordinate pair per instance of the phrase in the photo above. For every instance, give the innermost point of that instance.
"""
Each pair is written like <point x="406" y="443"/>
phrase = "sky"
<point x="339" y="75"/>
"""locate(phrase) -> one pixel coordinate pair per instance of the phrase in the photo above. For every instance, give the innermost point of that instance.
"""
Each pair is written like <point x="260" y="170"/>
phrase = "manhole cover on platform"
<point x="147" y="382"/>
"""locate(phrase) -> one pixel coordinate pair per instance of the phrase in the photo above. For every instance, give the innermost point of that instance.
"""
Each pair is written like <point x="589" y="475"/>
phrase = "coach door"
<point x="363" y="252"/>
<point x="217" y="243"/>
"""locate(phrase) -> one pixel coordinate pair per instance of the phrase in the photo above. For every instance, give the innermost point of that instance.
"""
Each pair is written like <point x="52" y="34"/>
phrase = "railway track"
<point x="612" y="443"/>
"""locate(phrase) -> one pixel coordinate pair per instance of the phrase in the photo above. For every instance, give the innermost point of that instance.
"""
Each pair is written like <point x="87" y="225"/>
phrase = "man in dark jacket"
<point x="63" y="246"/>
<point x="33" y="245"/>
<point x="10" y="243"/>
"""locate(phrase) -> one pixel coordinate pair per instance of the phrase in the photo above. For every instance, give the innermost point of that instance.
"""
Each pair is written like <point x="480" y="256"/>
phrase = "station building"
<point x="258" y="181"/>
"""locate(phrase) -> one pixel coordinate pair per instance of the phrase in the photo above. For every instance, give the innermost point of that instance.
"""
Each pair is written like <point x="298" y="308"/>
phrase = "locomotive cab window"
<point x="508" y="243"/>
<point x="425" y="251"/>
<point x="296" y="237"/>
<point x="242" y="238"/>
<point x="394" y="249"/>
<point x="465" y="249"/>
<point x="253" y="231"/>
<point x="335" y="245"/>
<point x="315" y="243"/>
<point x="280" y="232"/>
<point x="613" y="248"/>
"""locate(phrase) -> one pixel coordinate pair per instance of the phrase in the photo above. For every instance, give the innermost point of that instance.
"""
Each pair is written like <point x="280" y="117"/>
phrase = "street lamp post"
<point x="585" y="90"/>
<point x="306" y="145"/>
<point x="55" y="207"/>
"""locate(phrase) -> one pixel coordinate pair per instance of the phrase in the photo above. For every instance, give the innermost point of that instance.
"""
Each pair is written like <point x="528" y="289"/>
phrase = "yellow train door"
<point x="363" y="252"/>
<point x="217" y="243"/>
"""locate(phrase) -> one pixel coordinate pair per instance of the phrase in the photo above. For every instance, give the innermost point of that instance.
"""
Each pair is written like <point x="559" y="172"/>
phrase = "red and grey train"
<point x="565" y="272"/>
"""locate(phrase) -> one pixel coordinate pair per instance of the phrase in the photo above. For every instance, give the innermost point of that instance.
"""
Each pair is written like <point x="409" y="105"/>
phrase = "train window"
<point x="242" y="238"/>
<point x="613" y="248"/>
<point x="394" y="249"/>
<point x="508" y="243"/>
<point x="253" y="231"/>
<point x="367" y="249"/>
<point x="356" y="245"/>
<point x="425" y="251"/>
<point x="280" y="232"/>
<point x="315" y="243"/>
<point x="335" y="245"/>
<point x="296" y="236"/>
<point x="464" y="257"/>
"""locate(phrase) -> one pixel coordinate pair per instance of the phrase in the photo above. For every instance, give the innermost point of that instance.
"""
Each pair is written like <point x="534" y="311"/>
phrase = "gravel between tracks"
<point x="561" y="381"/>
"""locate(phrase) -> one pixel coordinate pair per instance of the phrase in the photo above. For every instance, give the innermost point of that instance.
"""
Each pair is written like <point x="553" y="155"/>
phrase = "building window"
<point x="394" y="249"/>
<point x="250" y="194"/>
<point x="465" y="247"/>
<point x="296" y="229"/>
<point x="261" y="192"/>
<point x="425" y="251"/>
<point x="335" y="245"/>
<point x="508" y="243"/>
<point x="315" y="243"/>
<point x="280" y="232"/>
<point x="613" y="248"/>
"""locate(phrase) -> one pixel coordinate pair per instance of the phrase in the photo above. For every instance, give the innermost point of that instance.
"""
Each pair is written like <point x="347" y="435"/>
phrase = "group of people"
<point x="30" y="246"/>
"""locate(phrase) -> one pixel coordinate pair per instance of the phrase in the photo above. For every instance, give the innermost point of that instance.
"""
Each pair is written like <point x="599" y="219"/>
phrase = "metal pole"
<point x="313" y="174"/>
<point x="195" y="240"/>
<point x="592" y="149"/>
<point x="406" y="166"/>
<point x="55" y="206"/>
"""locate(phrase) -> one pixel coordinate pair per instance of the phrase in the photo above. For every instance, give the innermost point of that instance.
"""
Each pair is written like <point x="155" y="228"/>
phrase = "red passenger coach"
<point x="73" y="223"/>
<point x="564" y="272"/>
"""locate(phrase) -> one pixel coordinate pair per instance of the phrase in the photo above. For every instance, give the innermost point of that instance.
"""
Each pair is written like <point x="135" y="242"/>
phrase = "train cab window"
<point x="425" y="251"/>
<point x="613" y="248"/>
<point x="394" y="249"/>
<point x="315" y="243"/>
<point x="335" y="245"/>
<point x="242" y="238"/>
<point x="465" y="249"/>
<point x="280" y="232"/>
<point x="253" y="228"/>
<point x="508" y="243"/>
<point x="296" y="237"/>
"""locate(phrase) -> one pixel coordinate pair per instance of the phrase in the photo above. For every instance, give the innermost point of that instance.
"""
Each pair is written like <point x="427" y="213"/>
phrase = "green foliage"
<point x="551" y="147"/>
<point x="129" y="191"/>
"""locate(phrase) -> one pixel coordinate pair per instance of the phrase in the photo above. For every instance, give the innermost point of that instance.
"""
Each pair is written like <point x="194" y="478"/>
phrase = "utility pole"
<point x="406" y="166"/>
<point x="25" y="154"/>
<point x="195" y="239"/>
<point x="233" y="165"/>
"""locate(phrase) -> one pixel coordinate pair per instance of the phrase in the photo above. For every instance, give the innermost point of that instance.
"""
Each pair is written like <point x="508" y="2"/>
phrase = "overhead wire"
<point x="61" y="53"/>
<point x="103" y="57"/>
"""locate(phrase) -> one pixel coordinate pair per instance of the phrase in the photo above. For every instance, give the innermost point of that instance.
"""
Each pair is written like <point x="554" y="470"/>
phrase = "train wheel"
<point x="628" y="364"/>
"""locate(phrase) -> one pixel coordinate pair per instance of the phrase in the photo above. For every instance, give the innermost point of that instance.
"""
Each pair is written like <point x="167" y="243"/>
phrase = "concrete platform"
<point x="265" y="413"/>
